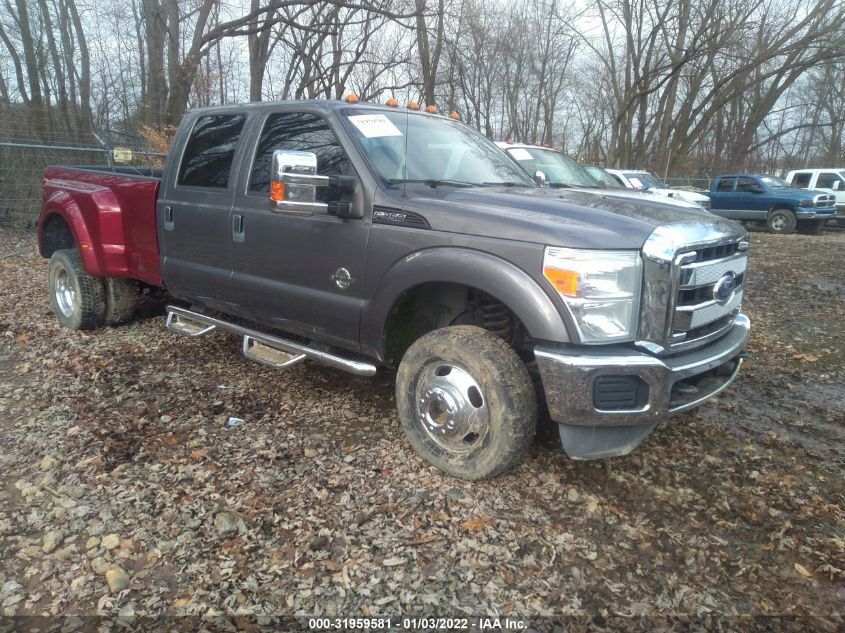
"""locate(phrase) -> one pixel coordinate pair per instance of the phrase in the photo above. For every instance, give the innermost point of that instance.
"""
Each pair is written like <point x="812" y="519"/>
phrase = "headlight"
<point x="600" y="288"/>
<point x="805" y="203"/>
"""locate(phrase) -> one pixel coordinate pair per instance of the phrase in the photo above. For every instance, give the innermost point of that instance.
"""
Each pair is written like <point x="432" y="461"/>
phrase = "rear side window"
<point x="306" y="133"/>
<point x="726" y="184"/>
<point x="801" y="179"/>
<point x="207" y="160"/>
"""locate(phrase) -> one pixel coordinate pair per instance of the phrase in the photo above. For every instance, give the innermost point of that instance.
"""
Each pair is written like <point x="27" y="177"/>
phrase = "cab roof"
<point x="325" y="105"/>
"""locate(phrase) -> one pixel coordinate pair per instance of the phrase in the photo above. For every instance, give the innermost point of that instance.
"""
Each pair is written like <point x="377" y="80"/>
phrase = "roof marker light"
<point x="431" y="109"/>
<point x="392" y="103"/>
<point x="455" y="115"/>
<point x="350" y="98"/>
<point x="413" y="105"/>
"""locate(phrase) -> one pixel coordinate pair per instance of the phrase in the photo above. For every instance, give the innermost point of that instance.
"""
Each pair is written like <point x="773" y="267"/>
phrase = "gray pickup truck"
<point x="361" y="236"/>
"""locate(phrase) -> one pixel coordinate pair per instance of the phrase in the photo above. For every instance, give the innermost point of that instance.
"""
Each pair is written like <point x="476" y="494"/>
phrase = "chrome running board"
<point x="261" y="347"/>
<point x="186" y="327"/>
<point x="270" y="356"/>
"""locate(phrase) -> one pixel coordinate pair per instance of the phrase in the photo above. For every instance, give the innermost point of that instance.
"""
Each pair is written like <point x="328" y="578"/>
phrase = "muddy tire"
<point x="77" y="298"/>
<point x="811" y="227"/>
<point x="781" y="221"/>
<point x="122" y="296"/>
<point x="466" y="402"/>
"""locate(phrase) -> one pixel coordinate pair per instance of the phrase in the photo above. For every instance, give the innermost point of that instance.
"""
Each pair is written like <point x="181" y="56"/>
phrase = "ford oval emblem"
<point x="725" y="289"/>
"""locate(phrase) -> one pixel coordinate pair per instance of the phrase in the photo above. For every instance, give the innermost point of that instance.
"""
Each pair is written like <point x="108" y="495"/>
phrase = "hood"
<point x="683" y="194"/>
<point x="647" y="196"/>
<point x="796" y="194"/>
<point x="555" y="217"/>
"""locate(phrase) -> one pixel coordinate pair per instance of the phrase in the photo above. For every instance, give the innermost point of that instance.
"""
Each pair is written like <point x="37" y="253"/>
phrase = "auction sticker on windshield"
<point x="375" y="125"/>
<point x="520" y="154"/>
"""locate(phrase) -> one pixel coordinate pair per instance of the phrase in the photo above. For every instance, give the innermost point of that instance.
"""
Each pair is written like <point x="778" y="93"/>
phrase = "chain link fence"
<point x="28" y="147"/>
<point x="688" y="182"/>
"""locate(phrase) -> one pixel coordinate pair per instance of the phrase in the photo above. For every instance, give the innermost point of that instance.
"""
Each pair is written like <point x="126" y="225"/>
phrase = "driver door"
<point x="286" y="266"/>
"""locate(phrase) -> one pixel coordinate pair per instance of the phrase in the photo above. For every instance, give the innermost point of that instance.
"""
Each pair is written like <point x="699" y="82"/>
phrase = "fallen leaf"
<point x="199" y="453"/>
<point x="392" y="562"/>
<point x="476" y="523"/>
<point x="426" y="538"/>
<point x="808" y="357"/>
<point x="802" y="570"/>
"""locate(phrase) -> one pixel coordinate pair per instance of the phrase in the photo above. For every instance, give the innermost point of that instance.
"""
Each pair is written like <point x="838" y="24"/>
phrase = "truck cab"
<point x="770" y="200"/>
<point x="364" y="237"/>
<point x="827" y="180"/>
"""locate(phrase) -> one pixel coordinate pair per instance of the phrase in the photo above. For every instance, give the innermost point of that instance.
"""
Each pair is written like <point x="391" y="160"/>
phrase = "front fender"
<point x="493" y="275"/>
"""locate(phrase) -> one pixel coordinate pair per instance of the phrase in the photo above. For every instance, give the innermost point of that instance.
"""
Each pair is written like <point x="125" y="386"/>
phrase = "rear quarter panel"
<point x="112" y="217"/>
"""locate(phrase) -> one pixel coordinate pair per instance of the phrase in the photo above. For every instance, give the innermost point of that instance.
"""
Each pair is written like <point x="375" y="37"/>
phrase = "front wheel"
<point x="466" y="402"/>
<point x="781" y="221"/>
<point x="77" y="298"/>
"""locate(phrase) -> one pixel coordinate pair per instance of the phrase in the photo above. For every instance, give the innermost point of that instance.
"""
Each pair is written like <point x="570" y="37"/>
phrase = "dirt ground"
<point x="123" y="491"/>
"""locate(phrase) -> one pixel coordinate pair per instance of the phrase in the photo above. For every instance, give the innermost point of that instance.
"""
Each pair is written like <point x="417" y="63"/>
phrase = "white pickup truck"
<point x="829" y="180"/>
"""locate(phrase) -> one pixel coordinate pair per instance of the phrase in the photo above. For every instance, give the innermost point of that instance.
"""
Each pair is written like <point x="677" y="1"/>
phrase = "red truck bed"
<point x="112" y="215"/>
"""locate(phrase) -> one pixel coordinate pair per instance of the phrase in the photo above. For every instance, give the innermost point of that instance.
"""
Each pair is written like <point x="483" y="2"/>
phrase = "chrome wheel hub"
<point x="778" y="222"/>
<point x="65" y="293"/>
<point x="451" y="407"/>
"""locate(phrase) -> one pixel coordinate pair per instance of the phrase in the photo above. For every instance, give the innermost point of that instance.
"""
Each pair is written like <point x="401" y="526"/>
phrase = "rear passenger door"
<point x="193" y="210"/>
<point x="725" y="199"/>
<point x="288" y="267"/>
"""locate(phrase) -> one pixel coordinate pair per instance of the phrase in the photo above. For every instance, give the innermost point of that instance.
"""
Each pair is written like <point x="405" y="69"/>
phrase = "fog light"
<point x="619" y="393"/>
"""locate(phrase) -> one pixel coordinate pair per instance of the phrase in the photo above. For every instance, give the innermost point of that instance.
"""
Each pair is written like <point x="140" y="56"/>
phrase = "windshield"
<point x="645" y="180"/>
<point x="603" y="177"/>
<point x="407" y="147"/>
<point x="560" y="170"/>
<point x="775" y="183"/>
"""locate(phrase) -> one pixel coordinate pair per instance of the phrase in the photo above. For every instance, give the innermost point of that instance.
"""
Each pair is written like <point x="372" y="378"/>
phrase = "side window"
<point x="302" y="132"/>
<point x="208" y="155"/>
<point x="802" y="179"/>
<point x="826" y="180"/>
<point x="746" y="184"/>
<point x="726" y="184"/>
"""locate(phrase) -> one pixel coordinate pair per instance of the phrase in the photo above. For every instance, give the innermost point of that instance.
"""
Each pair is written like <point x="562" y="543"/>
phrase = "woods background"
<point x="688" y="87"/>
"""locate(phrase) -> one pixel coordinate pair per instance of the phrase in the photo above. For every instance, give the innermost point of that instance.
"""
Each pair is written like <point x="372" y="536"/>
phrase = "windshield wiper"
<point x="507" y="183"/>
<point x="431" y="182"/>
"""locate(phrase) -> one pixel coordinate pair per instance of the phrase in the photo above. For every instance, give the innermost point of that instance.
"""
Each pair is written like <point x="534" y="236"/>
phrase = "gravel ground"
<point x="123" y="491"/>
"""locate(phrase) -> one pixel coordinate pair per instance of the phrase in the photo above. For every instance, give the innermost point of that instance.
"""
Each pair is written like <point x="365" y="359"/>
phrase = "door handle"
<point x="168" y="218"/>
<point x="238" y="227"/>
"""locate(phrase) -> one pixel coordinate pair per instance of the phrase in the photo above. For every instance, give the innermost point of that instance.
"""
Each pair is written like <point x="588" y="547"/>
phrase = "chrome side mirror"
<point x="294" y="181"/>
<point x="540" y="178"/>
<point x="837" y="185"/>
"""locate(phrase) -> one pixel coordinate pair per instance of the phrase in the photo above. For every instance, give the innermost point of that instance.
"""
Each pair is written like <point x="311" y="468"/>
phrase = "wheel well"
<point x="434" y="305"/>
<point x="780" y="207"/>
<point x="56" y="235"/>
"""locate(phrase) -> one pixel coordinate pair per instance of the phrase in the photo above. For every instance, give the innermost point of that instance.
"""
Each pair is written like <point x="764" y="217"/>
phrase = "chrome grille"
<point x="697" y="315"/>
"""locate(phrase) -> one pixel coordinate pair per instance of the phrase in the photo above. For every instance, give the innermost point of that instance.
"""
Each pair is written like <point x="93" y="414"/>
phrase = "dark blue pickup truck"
<point x="752" y="198"/>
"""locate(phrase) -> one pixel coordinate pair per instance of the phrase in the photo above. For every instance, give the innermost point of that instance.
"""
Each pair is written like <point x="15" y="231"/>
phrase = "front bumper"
<point x="674" y="384"/>
<point x="809" y="213"/>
